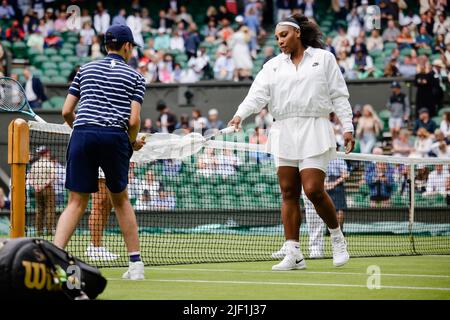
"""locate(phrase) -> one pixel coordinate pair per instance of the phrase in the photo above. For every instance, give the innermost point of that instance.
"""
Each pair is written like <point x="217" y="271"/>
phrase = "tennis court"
<point x="418" y="277"/>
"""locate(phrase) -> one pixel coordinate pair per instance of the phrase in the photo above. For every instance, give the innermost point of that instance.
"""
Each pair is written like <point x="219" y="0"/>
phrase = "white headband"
<point x="288" y="23"/>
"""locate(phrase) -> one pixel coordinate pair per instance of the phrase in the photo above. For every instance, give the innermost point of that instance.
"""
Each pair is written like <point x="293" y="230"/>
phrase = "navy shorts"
<point x="91" y="147"/>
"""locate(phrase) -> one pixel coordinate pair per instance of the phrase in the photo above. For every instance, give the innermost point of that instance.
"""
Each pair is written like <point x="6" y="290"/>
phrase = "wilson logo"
<point x="38" y="276"/>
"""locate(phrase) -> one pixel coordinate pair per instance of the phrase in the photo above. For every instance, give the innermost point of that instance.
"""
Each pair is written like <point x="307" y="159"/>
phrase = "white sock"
<point x="293" y="246"/>
<point x="336" y="232"/>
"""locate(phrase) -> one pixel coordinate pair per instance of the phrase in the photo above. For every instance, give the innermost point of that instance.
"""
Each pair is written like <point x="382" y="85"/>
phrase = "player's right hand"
<point x="236" y="121"/>
<point x="138" y="144"/>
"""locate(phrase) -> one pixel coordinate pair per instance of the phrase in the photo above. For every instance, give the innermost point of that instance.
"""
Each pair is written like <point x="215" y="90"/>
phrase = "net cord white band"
<point x="240" y="146"/>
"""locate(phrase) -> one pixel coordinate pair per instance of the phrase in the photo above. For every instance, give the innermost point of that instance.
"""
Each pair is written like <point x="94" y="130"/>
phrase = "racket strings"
<point x="12" y="95"/>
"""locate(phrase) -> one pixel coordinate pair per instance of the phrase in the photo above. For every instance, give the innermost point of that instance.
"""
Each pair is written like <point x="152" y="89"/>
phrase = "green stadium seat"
<point x="73" y="39"/>
<point x="50" y="52"/>
<point x="47" y="105"/>
<point x="437" y="120"/>
<point x="390" y="45"/>
<point x="443" y="110"/>
<point x="32" y="52"/>
<point x="45" y="79"/>
<point x="39" y="60"/>
<point x="69" y="46"/>
<point x="18" y="71"/>
<point x="66" y="52"/>
<point x="68" y="34"/>
<point x="19" y="50"/>
<point x="37" y="73"/>
<point x="74" y="60"/>
<point x="59" y="80"/>
<point x="57" y="101"/>
<point x="51" y="72"/>
<point x="49" y="65"/>
<point x="425" y="51"/>
<point x="65" y="66"/>
<point x="56" y="59"/>
<point x="65" y="73"/>
<point x="6" y="44"/>
<point x="405" y="51"/>
<point x="260" y="189"/>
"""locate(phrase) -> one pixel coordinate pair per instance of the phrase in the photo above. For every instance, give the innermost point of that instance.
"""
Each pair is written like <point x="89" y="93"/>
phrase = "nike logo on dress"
<point x="315" y="64"/>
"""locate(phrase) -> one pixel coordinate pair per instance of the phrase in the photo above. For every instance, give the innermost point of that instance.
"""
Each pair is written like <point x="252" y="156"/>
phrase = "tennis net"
<point x="223" y="204"/>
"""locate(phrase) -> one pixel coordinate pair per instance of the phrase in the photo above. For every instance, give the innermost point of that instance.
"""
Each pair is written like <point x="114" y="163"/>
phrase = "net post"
<point x="412" y="205"/>
<point x="18" y="157"/>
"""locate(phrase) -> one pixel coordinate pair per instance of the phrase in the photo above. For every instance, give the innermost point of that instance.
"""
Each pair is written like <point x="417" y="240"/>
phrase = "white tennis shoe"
<point x="135" y="271"/>
<point x="340" y="253"/>
<point x="293" y="260"/>
<point x="100" y="254"/>
<point x="280" y="254"/>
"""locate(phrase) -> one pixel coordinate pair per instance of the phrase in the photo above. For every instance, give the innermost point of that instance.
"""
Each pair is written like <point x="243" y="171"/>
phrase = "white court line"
<point x="298" y="272"/>
<point x="283" y="284"/>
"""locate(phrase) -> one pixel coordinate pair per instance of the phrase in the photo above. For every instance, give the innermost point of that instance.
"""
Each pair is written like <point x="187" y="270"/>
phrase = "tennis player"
<point x="104" y="135"/>
<point x="302" y="86"/>
<point x="98" y="219"/>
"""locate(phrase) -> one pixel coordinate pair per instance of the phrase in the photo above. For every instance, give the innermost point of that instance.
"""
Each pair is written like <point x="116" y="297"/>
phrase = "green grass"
<point x="417" y="277"/>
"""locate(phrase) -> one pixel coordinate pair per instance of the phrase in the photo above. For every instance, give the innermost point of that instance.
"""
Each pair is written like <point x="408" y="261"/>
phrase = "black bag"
<point x="36" y="269"/>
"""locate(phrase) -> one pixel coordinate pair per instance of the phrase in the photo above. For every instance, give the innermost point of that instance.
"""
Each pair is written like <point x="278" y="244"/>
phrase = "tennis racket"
<point x="13" y="98"/>
<point x="171" y="146"/>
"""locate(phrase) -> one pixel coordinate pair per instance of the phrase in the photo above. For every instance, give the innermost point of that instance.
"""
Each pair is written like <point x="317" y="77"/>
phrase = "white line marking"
<point x="283" y="284"/>
<point x="299" y="272"/>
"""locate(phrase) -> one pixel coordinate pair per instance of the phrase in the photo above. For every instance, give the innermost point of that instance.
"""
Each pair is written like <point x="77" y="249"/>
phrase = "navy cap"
<point x="119" y="33"/>
<point x="396" y="84"/>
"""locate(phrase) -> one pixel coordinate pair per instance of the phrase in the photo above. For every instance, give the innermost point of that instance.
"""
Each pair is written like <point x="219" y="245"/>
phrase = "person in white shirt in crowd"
<point x="224" y="66"/>
<point x="146" y="20"/>
<point x="85" y="16"/>
<point x="134" y="22"/>
<point x="148" y="188"/>
<point x="354" y="24"/>
<point x="422" y="145"/>
<point x="207" y="163"/>
<point x="176" y="41"/>
<point x="239" y="44"/>
<point x="402" y="146"/>
<point x="198" y="123"/>
<point x="441" y="25"/>
<point x="340" y="38"/>
<point x="184" y="15"/>
<point x="144" y="71"/>
<point x="445" y="124"/>
<point x="302" y="86"/>
<point x="81" y="48"/>
<point x="374" y="42"/>
<point x="214" y="123"/>
<point x="227" y="163"/>
<point x="440" y="148"/>
<point x="264" y="119"/>
<point x="437" y="181"/>
<point x="120" y="18"/>
<point x="88" y="33"/>
<point x="391" y="33"/>
<point x="410" y="19"/>
<point x="199" y="63"/>
<point x="101" y="19"/>
<point x="36" y="41"/>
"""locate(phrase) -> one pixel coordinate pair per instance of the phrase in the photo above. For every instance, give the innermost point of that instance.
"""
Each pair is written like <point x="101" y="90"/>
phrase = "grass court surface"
<point x="412" y="277"/>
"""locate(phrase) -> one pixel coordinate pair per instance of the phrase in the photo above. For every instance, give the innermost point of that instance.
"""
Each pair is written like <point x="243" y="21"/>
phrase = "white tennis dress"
<point x="300" y="100"/>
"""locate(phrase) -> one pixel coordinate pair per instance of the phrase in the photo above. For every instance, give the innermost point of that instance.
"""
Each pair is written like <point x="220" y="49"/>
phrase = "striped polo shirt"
<point x="106" y="89"/>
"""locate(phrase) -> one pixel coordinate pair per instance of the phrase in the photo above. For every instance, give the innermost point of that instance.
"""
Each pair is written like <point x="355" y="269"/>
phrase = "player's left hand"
<point x="349" y="142"/>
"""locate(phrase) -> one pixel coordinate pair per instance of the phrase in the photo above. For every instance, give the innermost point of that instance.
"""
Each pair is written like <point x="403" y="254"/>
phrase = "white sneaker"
<point x="280" y="254"/>
<point x="135" y="271"/>
<point x="100" y="254"/>
<point x="340" y="254"/>
<point x="293" y="260"/>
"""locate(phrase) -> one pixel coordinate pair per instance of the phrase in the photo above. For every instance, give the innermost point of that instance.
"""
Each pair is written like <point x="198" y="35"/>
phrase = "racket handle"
<point x="227" y="130"/>
<point x="39" y="119"/>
